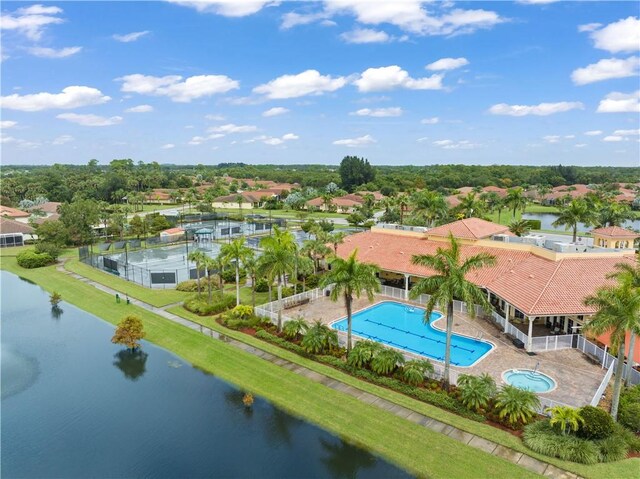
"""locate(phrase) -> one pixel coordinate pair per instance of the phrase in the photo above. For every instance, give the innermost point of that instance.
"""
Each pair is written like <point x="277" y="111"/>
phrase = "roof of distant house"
<point x="172" y="231"/>
<point x="615" y="232"/>
<point x="470" y="228"/>
<point x="42" y="219"/>
<point x="13" y="212"/>
<point x="50" y="207"/>
<point x="8" y="226"/>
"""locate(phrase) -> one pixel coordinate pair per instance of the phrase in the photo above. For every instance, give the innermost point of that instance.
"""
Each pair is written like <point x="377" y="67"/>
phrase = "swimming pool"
<point x="530" y="380"/>
<point x="401" y="326"/>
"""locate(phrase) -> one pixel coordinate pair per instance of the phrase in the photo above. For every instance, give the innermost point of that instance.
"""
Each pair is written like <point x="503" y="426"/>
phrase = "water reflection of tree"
<point x="233" y="397"/>
<point x="345" y="460"/>
<point x="56" y="312"/>
<point x="280" y="425"/>
<point x="131" y="363"/>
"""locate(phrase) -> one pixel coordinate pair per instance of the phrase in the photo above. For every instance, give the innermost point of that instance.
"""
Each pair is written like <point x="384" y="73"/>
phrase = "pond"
<point x="546" y="220"/>
<point x="75" y="405"/>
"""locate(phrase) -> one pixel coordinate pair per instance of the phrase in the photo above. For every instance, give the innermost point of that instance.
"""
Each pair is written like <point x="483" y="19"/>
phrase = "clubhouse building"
<point x="537" y="285"/>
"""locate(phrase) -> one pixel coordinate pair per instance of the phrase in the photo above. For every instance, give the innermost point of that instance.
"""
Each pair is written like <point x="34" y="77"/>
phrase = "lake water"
<point x="75" y="405"/>
<point x="546" y="220"/>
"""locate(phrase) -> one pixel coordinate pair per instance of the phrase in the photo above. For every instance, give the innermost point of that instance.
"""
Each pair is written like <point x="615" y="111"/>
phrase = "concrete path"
<point x="511" y="455"/>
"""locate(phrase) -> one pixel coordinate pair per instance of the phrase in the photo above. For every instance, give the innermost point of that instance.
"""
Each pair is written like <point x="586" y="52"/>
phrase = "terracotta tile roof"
<point x="11" y="226"/>
<point x="49" y="207"/>
<point x="535" y="285"/>
<point x="13" y="212"/>
<point x="346" y="201"/>
<point x="470" y="228"/>
<point x="172" y="231"/>
<point x="616" y="232"/>
<point x="376" y="194"/>
<point x="42" y="219"/>
<point x="502" y="192"/>
<point x="453" y="200"/>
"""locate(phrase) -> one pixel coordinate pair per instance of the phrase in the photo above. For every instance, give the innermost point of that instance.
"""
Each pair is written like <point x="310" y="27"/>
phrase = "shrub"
<point x="363" y="353"/>
<point x="191" y="285"/>
<point x="200" y="306"/>
<point x="242" y="311"/>
<point x="320" y="338"/>
<point x="287" y="291"/>
<point x="262" y="285"/>
<point x="51" y="249"/>
<point x="632" y="440"/>
<point x="414" y="371"/>
<point x="55" y="298"/>
<point x="312" y="281"/>
<point x="476" y="391"/>
<point x="516" y="406"/>
<point x="229" y="275"/>
<point x="541" y="437"/>
<point x="631" y="394"/>
<point x="613" y="448"/>
<point x="386" y="361"/>
<point x="565" y="418"/>
<point x="597" y="424"/>
<point x="295" y="328"/>
<point x="30" y="259"/>
<point x="629" y="416"/>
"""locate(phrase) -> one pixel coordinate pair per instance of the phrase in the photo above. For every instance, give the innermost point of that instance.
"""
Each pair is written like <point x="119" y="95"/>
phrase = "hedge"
<point x="200" y="306"/>
<point x="30" y="259"/>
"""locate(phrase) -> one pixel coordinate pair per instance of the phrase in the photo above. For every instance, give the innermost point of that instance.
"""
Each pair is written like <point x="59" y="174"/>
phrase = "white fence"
<point x="603" y="385"/>
<point x="515" y="332"/>
<point x="391" y="292"/>
<point x="546" y="402"/>
<point x="596" y="352"/>
<point x="552" y="343"/>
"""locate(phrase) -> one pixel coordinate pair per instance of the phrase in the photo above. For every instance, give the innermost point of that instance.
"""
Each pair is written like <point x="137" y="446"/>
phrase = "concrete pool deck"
<point x="577" y="378"/>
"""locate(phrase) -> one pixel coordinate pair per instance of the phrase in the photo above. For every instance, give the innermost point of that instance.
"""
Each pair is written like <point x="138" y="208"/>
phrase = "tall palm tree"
<point x="520" y="227"/>
<point x="617" y="311"/>
<point x="629" y="275"/>
<point x="236" y="251"/>
<point x="316" y="249"/>
<point x="336" y="238"/>
<point x="218" y="264"/>
<point x="614" y="214"/>
<point x="402" y="200"/>
<point x="516" y="200"/>
<point x="251" y="265"/>
<point x="449" y="284"/>
<point x="198" y="257"/>
<point x="471" y="206"/>
<point x="351" y="278"/>
<point x="429" y="205"/>
<point x="577" y="211"/>
<point x="277" y="261"/>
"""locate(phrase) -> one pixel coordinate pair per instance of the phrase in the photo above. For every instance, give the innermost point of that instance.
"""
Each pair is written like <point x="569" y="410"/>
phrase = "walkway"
<point x="464" y="437"/>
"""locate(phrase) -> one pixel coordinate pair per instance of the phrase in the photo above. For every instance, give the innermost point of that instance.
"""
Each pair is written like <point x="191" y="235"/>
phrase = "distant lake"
<point x="75" y="405"/>
<point x="546" y="220"/>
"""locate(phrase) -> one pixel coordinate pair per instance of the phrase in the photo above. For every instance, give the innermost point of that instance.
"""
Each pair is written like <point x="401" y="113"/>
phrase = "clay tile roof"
<point x="13" y="212"/>
<point x="470" y="228"/>
<point x="11" y="226"/>
<point x="615" y="232"/>
<point x="173" y="231"/>
<point x="48" y="207"/>
<point x="42" y="219"/>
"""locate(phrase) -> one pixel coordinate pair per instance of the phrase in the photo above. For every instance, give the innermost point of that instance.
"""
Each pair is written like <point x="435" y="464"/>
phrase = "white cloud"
<point x="612" y="138"/>
<point x="290" y="136"/>
<point x="130" y="37"/>
<point x="410" y="16"/>
<point x="580" y="145"/>
<point x="89" y="119"/>
<point x="378" y="112"/>
<point x="620" y="36"/>
<point x="388" y="78"/>
<point x="275" y="111"/>
<point x="543" y="109"/>
<point x="626" y="133"/>
<point x="355" y="142"/>
<point x="593" y="132"/>
<point x="273" y="141"/>
<point x="589" y="27"/>
<point x="616" y="102"/>
<point x="231" y="128"/>
<point x="447" y="64"/>
<point x="168" y="146"/>
<point x="70" y="97"/>
<point x="293" y="19"/>
<point x="62" y="140"/>
<point x="430" y="121"/>
<point x="537" y="2"/>
<point x="19" y="142"/>
<point x="31" y="21"/>
<point x="44" y="52"/>
<point x="309" y="82"/>
<point x="173" y="87"/>
<point x="456" y="145"/>
<point x="227" y="8"/>
<point x="366" y="35"/>
<point x="140" y="109"/>
<point x="214" y="117"/>
<point x="6" y="124"/>
<point x="606" y="69"/>
<point x="197" y="140"/>
<point x="422" y="139"/>
<point x="552" y="138"/>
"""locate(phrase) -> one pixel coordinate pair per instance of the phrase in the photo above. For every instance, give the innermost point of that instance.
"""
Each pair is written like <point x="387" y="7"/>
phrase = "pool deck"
<point x="576" y="377"/>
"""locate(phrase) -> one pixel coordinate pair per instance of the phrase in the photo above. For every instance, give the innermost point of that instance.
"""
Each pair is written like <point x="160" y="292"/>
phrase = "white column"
<point x="506" y="315"/>
<point x="530" y="336"/>
<point x="406" y="286"/>
<point x="565" y="324"/>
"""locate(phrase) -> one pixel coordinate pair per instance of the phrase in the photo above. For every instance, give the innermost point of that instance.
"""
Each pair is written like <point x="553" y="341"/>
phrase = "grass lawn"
<point x="618" y="469"/>
<point x="536" y="208"/>
<point x="412" y="447"/>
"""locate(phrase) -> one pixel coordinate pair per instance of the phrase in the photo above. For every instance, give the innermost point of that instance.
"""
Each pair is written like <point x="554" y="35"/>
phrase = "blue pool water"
<point x="530" y="380"/>
<point x="402" y="326"/>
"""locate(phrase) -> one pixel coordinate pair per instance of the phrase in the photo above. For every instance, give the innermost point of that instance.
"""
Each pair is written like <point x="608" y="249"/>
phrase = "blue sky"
<point x="406" y="82"/>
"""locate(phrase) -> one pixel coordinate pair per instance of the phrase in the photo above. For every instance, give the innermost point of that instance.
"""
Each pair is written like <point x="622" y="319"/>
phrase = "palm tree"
<point x="363" y="353"/>
<point x="386" y="361"/>
<point x="471" y="206"/>
<point x="295" y="328"/>
<point x="198" y="257"/>
<point x="493" y="201"/>
<point x="516" y="200"/>
<point x="237" y="252"/>
<point x="219" y="264"/>
<point x="617" y="311"/>
<point x="577" y="211"/>
<point x="277" y="261"/>
<point x="429" y="206"/>
<point x="305" y="268"/>
<point x="350" y="278"/>
<point x="567" y="418"/>
<point x="630" y="275"/>
<point x="251" y="266"/>
<point x="449" y="284"/>
<point x="336" y="238"/>
<point x="316" y="249"/>
<point x="516" y="405"/>
<point x="210" y="265"/>
<point x="543" y="191"/>
<point x="614" y="214"/>
<point x="402" y="200"/>
<point x="520" y="227"/>
<point x="319" y="338"/>
<point x="476" y="391"/>
<point x="414" y="371"/>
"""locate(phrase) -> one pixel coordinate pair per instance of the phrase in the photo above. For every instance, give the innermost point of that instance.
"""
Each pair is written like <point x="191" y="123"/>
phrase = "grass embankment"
<point x="412" y="447"/>
<point x="626" y="468"/>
